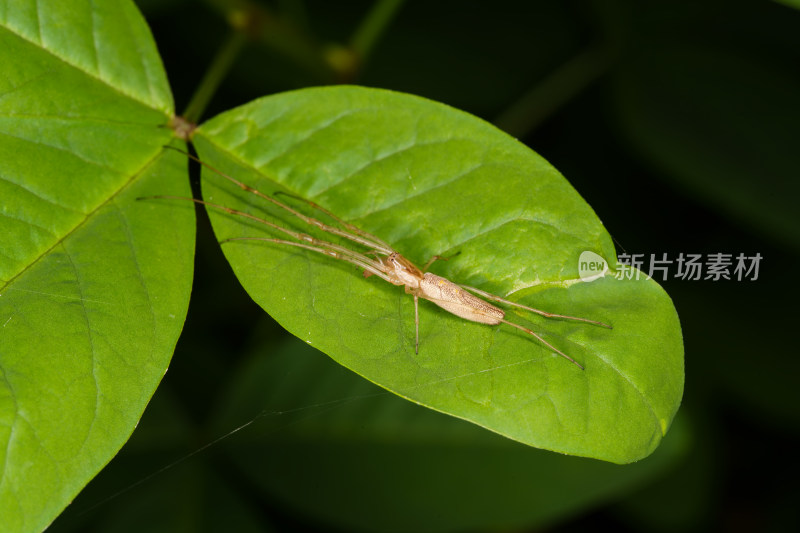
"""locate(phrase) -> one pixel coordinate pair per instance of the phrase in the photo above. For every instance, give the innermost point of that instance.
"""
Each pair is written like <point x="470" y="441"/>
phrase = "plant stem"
<point x="284" y="32"/>
<point x="219" y="68"/>
<point x="543" y="100"/>
<point x="373" y="25"/>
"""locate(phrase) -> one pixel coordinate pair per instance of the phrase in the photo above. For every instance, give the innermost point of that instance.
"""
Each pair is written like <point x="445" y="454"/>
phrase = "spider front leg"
<point x="436" y="258"/>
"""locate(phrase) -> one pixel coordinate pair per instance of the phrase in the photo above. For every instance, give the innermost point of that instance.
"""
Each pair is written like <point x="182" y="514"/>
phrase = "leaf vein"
<point x="26" y="223"/>
<point x="59" y="149"/>
<point x="90" y="338"/>
<point x="38" y="196"/>
<point x="311" y="133"/>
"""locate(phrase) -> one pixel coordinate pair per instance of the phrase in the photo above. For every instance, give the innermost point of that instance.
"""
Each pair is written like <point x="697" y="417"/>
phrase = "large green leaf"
<point x="320" y="449"/>
<point x="433" y="180"/>
<point x="92" y="294"/>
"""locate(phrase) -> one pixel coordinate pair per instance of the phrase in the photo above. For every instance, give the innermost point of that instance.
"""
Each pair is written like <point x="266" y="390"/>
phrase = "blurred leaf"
<point x="755" y="370"/>
<point x="186" y="499"/>
<point x="345" y="453"/>
<point x="713" y="106"/>
<point x="791" y="3"/>
<point x="93" y="293"/>
<point x="187" y="496"/>
<point x="434" y="180"/>
<point x="681" y="499"/>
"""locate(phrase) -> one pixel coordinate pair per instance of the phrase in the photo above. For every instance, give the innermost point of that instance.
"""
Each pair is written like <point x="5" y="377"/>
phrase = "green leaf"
<point x="791" y="3"/>
<point x="92" y="294"/>
<point x="715" y="112"/>
<point x="433" y="180"/>
<point x="359" y="444"/>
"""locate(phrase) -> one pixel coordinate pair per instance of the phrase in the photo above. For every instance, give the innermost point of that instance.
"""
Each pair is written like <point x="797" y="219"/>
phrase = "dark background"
<point x="678" y="122"/>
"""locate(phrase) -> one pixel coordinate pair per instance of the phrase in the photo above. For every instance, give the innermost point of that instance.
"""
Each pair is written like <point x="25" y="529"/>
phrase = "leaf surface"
<point x="433" y="180"/>
<point x="93" y="293"/>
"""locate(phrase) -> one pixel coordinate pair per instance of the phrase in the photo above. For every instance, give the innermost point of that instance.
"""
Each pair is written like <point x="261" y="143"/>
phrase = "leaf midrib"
<point x="66" y="234"/>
